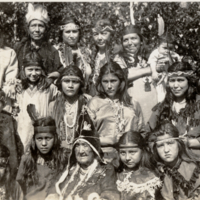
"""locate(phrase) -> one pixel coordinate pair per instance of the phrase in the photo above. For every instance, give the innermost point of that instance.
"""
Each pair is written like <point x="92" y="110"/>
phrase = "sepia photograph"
<point x="100" y="100"/>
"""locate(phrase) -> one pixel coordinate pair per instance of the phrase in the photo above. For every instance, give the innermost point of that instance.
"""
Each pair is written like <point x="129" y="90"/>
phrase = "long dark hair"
<point x="57" y="157"/>
<point x="165" y="108"/>
<point x="136" y="138"/>
<point x="8" y="179"/>
<point x="167" y="127"/>
<point x="115" y="69"/>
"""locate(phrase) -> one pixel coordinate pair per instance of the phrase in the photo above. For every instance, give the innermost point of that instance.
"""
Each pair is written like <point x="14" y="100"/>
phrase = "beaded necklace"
<point x="128" y="187"/>
<point x="69" y="137"/>
<point x="118" y="109"/>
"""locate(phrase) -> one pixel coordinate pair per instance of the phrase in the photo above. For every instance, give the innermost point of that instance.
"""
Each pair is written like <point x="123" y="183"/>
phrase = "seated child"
<point x="40" y="167"/>
<point x="9" y="187"/>
<point x="136" y="177"/>
<point x="178" y="165"/>
<point x="159" y="61"/>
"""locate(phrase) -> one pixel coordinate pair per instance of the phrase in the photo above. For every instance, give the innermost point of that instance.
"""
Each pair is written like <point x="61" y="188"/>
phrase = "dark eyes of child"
<point x="40" y="139"/>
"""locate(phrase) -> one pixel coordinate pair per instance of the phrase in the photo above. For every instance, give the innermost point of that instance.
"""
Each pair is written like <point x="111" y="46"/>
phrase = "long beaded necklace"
<point x="69" y="137"/>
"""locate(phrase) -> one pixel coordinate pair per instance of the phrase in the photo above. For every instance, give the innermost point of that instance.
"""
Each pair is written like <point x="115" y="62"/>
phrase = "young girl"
<point x="113" y="111"/>
<point x="68" y="106"/>
<point x="35" y="90"/>
<point x="179" y="166"/>
<point x="40" y="167"/>
<point x="9" y="188"/>
<point x="136" y="178"/>
<point x="181" y="105"/>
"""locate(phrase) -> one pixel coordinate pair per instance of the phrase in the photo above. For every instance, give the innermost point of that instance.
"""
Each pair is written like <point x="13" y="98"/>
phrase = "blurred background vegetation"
<point x="182" y="19"/>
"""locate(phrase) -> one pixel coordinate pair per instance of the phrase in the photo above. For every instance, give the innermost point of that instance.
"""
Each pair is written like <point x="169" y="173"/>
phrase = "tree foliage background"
<point x="181" y="19"/>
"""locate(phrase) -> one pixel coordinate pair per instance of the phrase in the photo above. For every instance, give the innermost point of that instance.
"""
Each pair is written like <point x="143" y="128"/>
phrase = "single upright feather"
<point x="32" y="112"/>
<point x="161" y="25"/>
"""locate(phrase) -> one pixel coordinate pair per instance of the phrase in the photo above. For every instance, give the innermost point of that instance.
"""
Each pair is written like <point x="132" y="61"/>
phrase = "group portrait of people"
<point x="89" y="124"/>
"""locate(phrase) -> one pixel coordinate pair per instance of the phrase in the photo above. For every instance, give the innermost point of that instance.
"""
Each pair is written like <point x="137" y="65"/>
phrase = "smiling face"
<point x="33" y="73"/>
<point x="130" y="156"/>
<point x="111" y="84"/>
<point x="71" y="35"/>
<point x="131" y="43"/>
<point x="71" y="87"/>
<point x="84" y="154"/>
<point x="167" y="148"/>
<point x="44" y="142"/>
<point x="178" y="85"/>
<point x="101" y="38"/>
<point x="36" y="29"/>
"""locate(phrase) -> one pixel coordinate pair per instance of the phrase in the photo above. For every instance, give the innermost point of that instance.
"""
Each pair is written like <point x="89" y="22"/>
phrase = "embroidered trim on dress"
<point x="180" y="182"/>
<point x="133" y="188"/>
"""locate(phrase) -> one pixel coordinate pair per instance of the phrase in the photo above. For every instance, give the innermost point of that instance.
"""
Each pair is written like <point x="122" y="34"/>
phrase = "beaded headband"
<point x="44" y="129"/>
<point x="100" y="29"/>
<point x="126" y="146"/>
<point x="66" y="78"/>
<point x="69" y="26"/>
<point x="168" y="139"/>
<point x="181" y="73"/>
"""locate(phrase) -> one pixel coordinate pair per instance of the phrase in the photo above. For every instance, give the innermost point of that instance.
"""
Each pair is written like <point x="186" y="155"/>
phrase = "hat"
<point x="87" y="133"/>
<point x="38" y="12"/>
<point x="32" y="59"/>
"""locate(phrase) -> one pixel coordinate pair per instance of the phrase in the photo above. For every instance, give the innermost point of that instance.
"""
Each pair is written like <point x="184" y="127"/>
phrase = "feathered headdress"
<point x="38" y="12"/>
<point x="41" y="125"/>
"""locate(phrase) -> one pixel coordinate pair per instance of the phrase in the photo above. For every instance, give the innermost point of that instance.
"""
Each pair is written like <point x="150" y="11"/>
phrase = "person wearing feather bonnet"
<point x="86" y="177"/>
<point x="36" y="89"/>
<point x="37" y="28"/>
